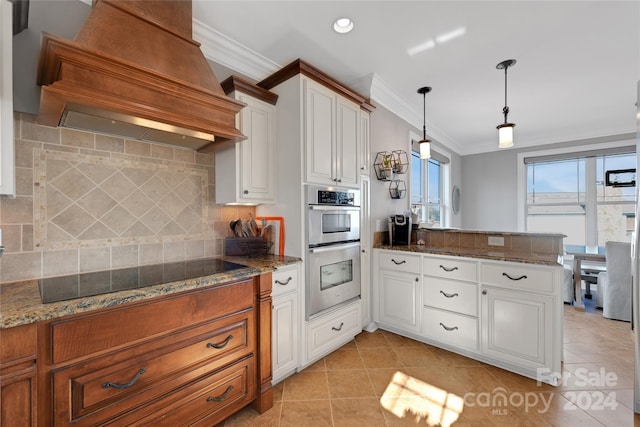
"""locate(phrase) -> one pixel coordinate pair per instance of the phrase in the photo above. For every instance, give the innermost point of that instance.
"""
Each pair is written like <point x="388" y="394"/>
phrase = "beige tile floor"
<point x="383" y="379"/>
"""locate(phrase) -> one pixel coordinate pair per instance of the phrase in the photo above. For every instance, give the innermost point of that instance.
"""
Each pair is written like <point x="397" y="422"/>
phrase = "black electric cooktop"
<point x="63" y="288"/>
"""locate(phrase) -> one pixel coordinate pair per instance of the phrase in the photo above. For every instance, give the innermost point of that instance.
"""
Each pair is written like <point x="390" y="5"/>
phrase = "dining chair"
<point x="614" y="285"/>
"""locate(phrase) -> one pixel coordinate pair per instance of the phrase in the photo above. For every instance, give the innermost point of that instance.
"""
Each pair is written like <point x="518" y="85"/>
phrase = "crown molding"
<point x="219" y="48"/>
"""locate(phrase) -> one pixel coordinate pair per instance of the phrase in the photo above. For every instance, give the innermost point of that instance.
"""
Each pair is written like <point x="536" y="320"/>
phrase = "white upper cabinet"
<point x="7" y="161"/>
<point x="331" y="137"/>
<point x="245" y="171"/>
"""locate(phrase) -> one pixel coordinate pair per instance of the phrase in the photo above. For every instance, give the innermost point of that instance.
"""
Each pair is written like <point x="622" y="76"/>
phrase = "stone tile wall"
<point x="88" y="202"/>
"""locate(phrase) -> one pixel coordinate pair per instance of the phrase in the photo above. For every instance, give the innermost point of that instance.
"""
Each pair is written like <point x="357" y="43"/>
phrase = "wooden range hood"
<point x="133" y="70"/>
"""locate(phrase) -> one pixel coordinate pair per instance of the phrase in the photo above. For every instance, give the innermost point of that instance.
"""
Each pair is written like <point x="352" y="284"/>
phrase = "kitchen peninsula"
<point x="196" y="349"/>
<point x="491" y="296"/>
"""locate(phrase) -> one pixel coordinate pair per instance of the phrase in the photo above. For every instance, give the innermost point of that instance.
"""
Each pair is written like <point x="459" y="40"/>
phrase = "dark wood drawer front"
<point x="217" y="396"/>
<point x="106" y="387"/>
<point x="107" y="330"/>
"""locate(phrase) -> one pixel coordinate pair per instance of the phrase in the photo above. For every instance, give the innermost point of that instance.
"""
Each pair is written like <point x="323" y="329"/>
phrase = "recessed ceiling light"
<point x="343" y="25"/>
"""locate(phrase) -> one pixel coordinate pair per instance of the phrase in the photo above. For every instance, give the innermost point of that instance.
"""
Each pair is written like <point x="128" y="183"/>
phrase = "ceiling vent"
<point x="133" y="70"/>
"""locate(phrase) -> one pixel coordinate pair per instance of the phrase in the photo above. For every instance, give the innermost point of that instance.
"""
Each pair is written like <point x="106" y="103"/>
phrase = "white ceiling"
<point x="578" y="62"/>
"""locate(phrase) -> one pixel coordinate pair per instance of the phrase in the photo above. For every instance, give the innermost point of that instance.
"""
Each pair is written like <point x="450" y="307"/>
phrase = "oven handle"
<point x="333" y="208"/>
<point x="334" y="247"/>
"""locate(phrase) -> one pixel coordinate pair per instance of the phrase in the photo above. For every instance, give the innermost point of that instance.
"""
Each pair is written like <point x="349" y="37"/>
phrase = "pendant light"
<point x="424" y="144"/>
<point x="505" y="130"/>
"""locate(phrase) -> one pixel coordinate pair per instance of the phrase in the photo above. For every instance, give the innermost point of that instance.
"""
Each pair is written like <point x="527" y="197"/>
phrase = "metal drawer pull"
<point x="127" y="385"/>
<point x="398" y="262"/>
<point x="221" y="345"/>
<point x="448" y="270"/>
<point x="285" y="283"/>
<point x="447" y="328"/>
<point x="339" y="328"/>
<point x="222" y="397"/>
<point x="448" y="295"/>
<point x="514" y="278"/>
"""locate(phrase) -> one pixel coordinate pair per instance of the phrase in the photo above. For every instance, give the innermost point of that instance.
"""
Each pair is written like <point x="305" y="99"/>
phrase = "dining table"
<point x="580" y="254"/>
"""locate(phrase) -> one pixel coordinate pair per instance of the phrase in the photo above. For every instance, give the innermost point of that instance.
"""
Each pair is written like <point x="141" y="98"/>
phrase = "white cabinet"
<point x="515" y="326"/>
<point x="245" y="170"/>
<point x="399" y="290"/>
<point x="521" y="313"/>
<point x="450" y="297"/>
<point x="284" y="322"/>
<point x="331" y="137"/>
<point x="507" y="314"/>
<point x="331" y="330"/>
<point x="7" y="161"/>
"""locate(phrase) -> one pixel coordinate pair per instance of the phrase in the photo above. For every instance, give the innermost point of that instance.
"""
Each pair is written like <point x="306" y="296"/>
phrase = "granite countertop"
<point x="484" y="253"/>
<point x="20" y="302"/>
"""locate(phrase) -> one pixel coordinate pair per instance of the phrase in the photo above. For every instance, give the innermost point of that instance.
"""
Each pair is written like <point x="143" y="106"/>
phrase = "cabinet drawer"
<point x="332" y="329"/>
<point x="451" y="268"/>
<point x="516" y="276"/>
<point x="399" y="261"/>
<point x="116" y="327"/>
<point x="454" y="329"/>
<point x="461" y="297"/>
<point x="92" y="392"/>
<point x="209" y="400"/>
<point x="284" y="281"/>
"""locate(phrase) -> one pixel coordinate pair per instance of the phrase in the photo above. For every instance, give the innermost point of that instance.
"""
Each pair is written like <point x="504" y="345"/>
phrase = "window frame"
<point x="591" y="231"/>
<point x="445" y="184"/>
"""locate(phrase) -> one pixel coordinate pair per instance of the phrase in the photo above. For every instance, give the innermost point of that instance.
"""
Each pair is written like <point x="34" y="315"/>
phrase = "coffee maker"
<point x="399" y="230"/>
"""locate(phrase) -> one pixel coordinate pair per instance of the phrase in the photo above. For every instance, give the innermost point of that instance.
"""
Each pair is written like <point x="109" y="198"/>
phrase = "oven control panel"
<point x="341" y="198"/>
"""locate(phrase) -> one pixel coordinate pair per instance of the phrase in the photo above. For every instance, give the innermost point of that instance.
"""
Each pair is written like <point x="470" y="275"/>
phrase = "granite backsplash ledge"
<point x="536" y="245"/>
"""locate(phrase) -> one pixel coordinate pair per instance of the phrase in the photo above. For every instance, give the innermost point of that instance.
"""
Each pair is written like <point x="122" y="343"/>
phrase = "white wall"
<point x="389" y="132"/>
<point x="58" y="17"/>
<point x="489" y="190"/>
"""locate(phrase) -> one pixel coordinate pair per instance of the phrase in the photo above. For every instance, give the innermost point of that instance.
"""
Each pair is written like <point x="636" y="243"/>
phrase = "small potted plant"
<point x="387" y="167"/>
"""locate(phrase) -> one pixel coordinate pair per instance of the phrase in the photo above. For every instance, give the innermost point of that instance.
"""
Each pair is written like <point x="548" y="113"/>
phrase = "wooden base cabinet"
<point x="18" y="380"/>
<point x="191" y="358"/>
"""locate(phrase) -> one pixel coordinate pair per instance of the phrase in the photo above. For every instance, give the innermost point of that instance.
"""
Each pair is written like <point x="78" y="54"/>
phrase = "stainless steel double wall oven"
<point x="333" y="238"/>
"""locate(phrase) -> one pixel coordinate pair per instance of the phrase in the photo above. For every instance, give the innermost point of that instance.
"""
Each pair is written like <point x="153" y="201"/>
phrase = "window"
<point x="570" y="196"/>
<point x="427" y="189"/>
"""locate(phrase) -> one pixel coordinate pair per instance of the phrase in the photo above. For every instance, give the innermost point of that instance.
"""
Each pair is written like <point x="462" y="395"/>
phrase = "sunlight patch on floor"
<point x="406" y="396"/>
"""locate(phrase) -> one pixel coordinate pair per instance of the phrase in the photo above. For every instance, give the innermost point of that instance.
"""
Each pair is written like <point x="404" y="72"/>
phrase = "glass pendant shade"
<point x="505" y="135"/>
<point x="424" y="143"/>
<point x="425" y="149"/>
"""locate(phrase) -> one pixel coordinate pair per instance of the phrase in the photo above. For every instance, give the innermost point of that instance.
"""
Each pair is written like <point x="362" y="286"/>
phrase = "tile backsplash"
<point x="89" y="202"/>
